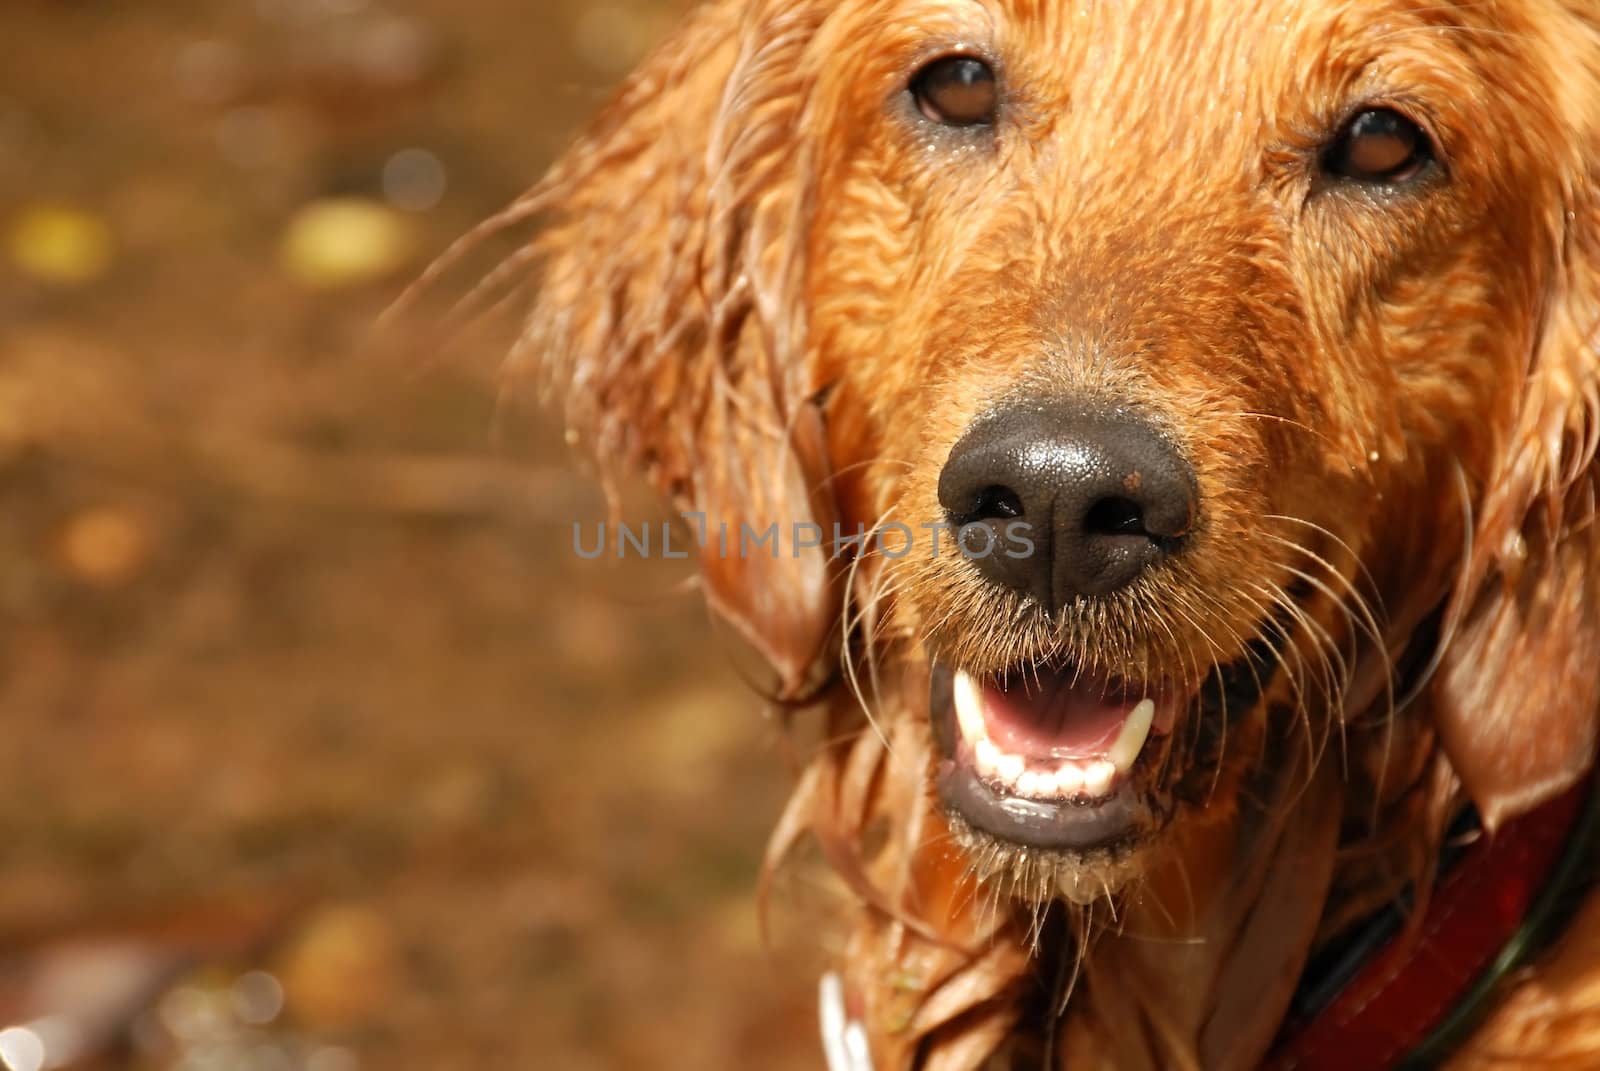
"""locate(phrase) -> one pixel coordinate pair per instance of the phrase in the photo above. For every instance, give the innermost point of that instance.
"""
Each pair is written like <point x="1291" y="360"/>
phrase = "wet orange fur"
<point x="766" y="282"/>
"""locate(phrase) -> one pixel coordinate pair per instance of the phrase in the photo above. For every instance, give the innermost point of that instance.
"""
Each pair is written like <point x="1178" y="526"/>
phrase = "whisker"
<point x="1362" y="618"/>
<point x="1453" y="617"/>
<point x="1323" y="437"/>
<point x="849" y="626"/>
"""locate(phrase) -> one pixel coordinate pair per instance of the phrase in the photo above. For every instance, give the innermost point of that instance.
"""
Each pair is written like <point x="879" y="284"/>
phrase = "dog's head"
<point x="1214" y="365"/>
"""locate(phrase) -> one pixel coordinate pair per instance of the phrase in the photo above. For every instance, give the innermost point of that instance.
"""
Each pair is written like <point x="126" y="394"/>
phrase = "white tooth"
<point x="1135" y="731"/>
<point x="1069" y="779"/>
<point x="969" y="706"/>
<point x="1010" y="768"/>
<point x="988" y="757"/>
<point x="1028" y="785"/>
<point x="1097" y="778"/>
<point x="1045" y="786"/>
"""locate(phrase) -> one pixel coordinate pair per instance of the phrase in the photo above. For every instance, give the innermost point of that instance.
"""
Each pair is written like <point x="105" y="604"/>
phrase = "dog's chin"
<point x="1055" y="780"/>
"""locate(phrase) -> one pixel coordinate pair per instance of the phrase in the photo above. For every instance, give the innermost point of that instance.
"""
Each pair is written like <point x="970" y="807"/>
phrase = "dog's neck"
<point x="1205" y="961"/>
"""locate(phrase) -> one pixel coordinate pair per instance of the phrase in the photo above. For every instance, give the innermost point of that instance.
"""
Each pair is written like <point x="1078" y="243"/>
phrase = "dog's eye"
<point x="957" y="91"/>
<point x="1380" y="146"/>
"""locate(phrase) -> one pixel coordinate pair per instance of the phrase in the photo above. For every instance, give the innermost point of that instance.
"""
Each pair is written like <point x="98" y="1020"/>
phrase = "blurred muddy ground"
<point x="318" y="747"/>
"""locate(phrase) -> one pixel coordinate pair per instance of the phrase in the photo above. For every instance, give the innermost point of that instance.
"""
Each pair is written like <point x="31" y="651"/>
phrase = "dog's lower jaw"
<point x="1037" y="877"/>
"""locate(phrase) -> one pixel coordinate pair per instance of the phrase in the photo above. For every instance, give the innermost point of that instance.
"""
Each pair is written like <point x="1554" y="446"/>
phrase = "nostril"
<point x="996" y="502"/>
<point x="1115" y="516"/>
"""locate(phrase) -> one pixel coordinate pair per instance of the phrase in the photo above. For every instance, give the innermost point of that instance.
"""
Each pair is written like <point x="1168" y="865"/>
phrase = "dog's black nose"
<point x="1075" y="500"/>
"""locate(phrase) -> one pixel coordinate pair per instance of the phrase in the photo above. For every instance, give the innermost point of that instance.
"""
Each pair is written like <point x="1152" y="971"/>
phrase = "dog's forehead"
<point x="1217" y="47"/>
<point x="1216" y="21"/>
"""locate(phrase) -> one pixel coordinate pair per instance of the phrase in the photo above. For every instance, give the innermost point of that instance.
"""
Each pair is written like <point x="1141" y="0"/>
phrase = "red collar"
<point x="1423" y="982"/>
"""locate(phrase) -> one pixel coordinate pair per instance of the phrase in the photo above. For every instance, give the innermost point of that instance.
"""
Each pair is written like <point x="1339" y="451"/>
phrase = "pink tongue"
<point x="1059" y="716"/>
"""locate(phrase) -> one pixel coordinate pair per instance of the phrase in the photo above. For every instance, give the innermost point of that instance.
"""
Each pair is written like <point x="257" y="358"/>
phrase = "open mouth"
<point x="1053" y="757"/>
<point x="1057" y="758"/>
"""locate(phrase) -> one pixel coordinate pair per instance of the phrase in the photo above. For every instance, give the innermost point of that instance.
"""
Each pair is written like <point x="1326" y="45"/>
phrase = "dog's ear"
<point x="669" y="314"/>
<point x="1517" y="696"/>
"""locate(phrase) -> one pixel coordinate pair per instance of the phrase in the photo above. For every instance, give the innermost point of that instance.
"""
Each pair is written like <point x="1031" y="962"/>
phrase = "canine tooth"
<point x="1010" y="767"/>
<point x="988" y="756"/>
<point x="1069" y="779"/>
<point x="1098" y="777"/>
<point x="1135" y="731"/>
<point x="969" y="706"/>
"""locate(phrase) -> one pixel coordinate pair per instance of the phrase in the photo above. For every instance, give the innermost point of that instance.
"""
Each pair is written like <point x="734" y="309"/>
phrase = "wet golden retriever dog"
<point x="1217" y="383"/>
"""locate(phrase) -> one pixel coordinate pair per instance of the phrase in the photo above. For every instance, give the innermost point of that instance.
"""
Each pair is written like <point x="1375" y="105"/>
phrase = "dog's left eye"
<point x="1379" y="146"/>
<point x="957" y="91"/>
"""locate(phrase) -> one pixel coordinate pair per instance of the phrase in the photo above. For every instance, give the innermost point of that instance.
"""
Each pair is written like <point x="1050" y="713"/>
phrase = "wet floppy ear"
<point x="669" y="314"/>
<point x="1517" y="697"/>
<point x="1519" y="687"/>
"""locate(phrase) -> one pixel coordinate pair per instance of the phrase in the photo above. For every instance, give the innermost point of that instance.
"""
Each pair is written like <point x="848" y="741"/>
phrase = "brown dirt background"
<point x="298" y="672"/>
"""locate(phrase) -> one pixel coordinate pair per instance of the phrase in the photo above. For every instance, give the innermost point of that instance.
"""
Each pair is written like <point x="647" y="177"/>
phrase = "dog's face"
<point x="1240" y="355"/>
<point x="1195" y="326"/>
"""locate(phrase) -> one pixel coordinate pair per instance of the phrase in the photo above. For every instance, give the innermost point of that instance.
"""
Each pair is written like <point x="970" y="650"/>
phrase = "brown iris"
<point x="957" y="91"/>
<point x="1379" y="146"/>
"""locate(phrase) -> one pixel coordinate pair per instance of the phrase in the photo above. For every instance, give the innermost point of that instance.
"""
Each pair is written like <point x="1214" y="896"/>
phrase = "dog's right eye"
<point x="957" y="91"/>
<point x="1379" y="146"/>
